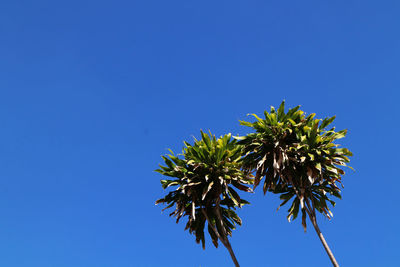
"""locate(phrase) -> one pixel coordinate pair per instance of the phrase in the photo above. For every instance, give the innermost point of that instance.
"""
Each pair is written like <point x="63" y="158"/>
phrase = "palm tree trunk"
<point x="313" y="219"/>
<point x="310" y="209"/>
<point x="227" y="244"/>
<point x="224" y="239"/>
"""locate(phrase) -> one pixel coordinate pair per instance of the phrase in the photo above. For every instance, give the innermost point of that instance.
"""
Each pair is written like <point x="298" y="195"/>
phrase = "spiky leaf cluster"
<point x="298" y="158"/>
<point x="205" y="180"/>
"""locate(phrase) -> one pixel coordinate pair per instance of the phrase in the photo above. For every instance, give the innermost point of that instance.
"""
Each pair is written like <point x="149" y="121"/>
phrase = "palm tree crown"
<point x="205" y="180"/>
<point x="298" y="158"/>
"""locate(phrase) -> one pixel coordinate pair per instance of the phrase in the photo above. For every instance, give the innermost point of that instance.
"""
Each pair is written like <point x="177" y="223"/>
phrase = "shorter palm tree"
<point x="299" y="160"/>
<point x="205" y="180"/>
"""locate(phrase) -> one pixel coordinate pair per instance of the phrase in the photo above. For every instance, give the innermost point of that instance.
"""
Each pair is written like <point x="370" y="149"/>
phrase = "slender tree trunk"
<point x="313" y="219"/>
<point x="228" y="246"/>
<point x="310" y="209"/>
<point x="224" y="239"/>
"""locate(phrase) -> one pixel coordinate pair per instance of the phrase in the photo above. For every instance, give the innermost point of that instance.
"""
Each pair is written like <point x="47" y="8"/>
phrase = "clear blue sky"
<point x="93" y="92"/>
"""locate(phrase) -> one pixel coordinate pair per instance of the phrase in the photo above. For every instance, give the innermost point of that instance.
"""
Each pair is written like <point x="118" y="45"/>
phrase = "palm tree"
<point x="299" y="161"/>
<point x="205" y="178"/>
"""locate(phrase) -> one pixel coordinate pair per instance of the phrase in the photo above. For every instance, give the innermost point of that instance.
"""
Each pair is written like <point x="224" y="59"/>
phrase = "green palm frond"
<point x="297" y="156"/>
<point x="205" y="178"/>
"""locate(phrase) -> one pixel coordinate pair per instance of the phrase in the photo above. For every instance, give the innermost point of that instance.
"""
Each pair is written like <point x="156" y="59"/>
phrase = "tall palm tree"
<point x="299" y="160"/>
<point x="205" y="179"/>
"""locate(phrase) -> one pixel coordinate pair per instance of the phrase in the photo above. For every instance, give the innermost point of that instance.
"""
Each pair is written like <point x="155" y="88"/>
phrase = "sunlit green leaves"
<point x="202" y="176"/>
<point x="297" y="157"/>
<point x="294" y="154"/>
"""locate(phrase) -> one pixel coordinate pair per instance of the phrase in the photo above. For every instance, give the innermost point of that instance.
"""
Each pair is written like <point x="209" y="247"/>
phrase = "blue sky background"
<point x="93" y="92"/>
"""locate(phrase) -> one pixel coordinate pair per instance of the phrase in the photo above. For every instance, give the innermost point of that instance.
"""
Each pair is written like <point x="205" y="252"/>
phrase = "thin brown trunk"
<point x="313" y="219"/>
<point x="228" y="246"/>
<point x="224" y="240"/>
